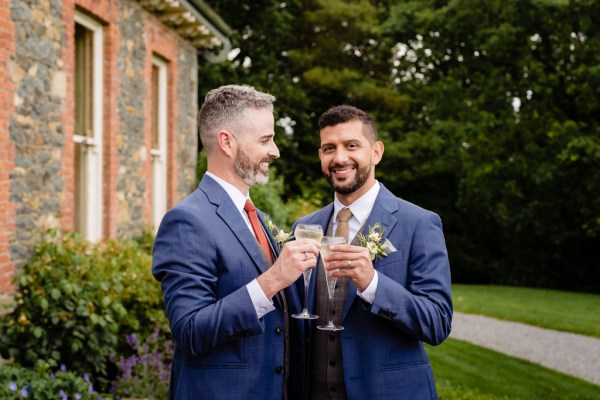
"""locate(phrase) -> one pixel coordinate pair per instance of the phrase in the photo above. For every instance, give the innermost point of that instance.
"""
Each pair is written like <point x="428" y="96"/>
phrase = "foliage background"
<point x="488" y="111"/>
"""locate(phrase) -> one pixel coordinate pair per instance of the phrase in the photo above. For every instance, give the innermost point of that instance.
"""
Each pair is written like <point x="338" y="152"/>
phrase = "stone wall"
<point x="36" y="119"/>
<point x="132" y="148"/>
<point x="36" y="129"/>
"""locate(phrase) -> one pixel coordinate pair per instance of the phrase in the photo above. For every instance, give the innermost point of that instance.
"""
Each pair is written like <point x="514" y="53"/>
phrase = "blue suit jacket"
<point x="382" y="344"/>
<point x="203" y="256"/>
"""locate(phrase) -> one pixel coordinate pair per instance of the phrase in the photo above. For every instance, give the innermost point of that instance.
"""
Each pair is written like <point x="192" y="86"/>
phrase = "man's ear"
<point x="377" y="152"/>
<point x="226" y="142"/>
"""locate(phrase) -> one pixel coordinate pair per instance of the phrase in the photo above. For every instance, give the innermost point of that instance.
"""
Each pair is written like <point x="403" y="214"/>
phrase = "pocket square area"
<point x="389" y="246"/>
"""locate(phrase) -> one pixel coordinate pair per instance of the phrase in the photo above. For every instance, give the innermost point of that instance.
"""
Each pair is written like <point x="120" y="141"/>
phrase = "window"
<point x="159" y="140"/>
<point x="87" y="137"/>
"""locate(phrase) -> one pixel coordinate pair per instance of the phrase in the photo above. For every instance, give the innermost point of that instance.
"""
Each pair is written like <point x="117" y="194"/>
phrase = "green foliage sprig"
<point x="372" y="241"/>
<point x="281" y="236"/>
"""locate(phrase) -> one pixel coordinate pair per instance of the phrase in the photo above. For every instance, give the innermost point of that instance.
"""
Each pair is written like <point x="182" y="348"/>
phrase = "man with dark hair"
<point x="226" y="286"/>
<point x="393" y="278"/>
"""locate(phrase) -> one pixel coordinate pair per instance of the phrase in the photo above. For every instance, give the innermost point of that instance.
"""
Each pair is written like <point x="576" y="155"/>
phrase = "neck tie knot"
<point x="344" y="215"/>
<point x="342" y="227"/>
<point x="249" y="206"/>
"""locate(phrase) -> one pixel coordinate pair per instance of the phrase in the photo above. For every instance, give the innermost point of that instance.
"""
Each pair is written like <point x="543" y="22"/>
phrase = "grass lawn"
<point x="564" y="311"/>
<point x="468" y="372"/>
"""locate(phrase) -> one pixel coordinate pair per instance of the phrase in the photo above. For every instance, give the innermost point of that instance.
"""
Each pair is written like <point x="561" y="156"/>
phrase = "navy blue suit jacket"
<point x="203" y="256"/>
<point x="382" y="344"/>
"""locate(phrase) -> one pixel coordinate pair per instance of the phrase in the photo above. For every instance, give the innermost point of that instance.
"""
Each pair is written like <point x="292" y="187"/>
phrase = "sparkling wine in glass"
<point x="326" y="243"/>
<point x="315" y="232"/>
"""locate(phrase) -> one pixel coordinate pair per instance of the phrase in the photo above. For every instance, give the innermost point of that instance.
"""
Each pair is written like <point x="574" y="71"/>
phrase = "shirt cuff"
<point x="262" y="305"/>
<point x="368" y="294"/>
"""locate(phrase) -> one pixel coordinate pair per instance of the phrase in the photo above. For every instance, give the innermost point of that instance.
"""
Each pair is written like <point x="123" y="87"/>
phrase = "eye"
<point x="326" y="149"/>
<point x="352" y="146"/>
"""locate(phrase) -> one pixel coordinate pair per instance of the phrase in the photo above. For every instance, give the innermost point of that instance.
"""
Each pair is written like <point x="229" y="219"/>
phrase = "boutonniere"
<point x="281" y="236"/>
<point x="372" y="241"/>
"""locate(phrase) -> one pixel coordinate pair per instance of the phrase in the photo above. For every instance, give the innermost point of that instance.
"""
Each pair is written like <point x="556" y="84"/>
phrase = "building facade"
<point x="98" y="105"/>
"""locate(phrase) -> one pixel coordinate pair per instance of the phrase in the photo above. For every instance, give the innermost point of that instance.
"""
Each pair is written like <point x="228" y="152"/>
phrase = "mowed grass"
<point x="553" y="309"/>
<point x="468" y="372"/>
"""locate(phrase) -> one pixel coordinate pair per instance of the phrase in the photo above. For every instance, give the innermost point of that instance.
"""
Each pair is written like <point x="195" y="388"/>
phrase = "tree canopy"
<point x="488" y="111"/>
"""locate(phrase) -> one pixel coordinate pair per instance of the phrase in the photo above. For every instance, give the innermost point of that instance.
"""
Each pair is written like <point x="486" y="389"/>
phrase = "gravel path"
<point x="572" y="354"/>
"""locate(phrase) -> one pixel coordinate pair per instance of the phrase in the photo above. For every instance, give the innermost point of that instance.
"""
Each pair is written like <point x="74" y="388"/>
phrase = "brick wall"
<point x="7" y="208"/>
<point x="37" y="119"/>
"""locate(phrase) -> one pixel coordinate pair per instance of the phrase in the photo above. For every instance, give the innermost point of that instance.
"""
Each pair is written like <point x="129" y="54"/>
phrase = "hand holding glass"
<point x="326" y="243"/>
<point x="315" y="232"/>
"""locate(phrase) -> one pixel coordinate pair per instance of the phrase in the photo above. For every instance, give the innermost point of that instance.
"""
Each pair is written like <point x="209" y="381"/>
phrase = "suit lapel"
<point x="383" y="212"/>
<point x="231" y="217"/>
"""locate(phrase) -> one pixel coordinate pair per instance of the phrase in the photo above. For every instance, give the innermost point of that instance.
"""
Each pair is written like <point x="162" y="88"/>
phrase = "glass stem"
<point x="330" y="311"/>
<point x="306" y="298"/>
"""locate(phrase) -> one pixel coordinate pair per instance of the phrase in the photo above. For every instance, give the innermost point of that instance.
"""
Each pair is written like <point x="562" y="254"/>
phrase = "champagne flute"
<point x="327" y="242"/>
<point x="315" y="232"/>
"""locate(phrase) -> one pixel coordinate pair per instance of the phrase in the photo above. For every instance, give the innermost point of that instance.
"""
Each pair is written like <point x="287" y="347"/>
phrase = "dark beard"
<point x="362" y="174"/>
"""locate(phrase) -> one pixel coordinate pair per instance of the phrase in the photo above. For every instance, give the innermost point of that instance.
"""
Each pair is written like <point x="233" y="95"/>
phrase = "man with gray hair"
<point x="226" y="285"/>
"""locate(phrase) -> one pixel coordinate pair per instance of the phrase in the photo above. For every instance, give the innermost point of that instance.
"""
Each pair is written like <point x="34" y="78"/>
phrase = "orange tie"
<point x="260" y="235"/>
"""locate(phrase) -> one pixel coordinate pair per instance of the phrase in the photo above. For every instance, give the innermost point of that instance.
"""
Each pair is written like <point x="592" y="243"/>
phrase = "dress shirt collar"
<point x="238" y="198"/>
<point x="361" y="208"/>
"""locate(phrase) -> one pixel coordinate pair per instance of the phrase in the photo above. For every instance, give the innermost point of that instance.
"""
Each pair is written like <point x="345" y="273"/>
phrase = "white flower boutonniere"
<point x="281" y="236"/>
<point x="372" y="241"/>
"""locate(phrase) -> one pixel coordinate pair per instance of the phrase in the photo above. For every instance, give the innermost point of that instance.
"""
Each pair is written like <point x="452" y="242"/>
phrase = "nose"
<point x="274" y="151"/>
<point x="340" y="157"/>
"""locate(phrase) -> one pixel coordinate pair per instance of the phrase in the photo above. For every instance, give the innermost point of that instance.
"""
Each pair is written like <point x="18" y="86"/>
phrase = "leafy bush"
<point x="75" y="301"/>
<point x="17" y="382"/>
<point x="147" y="371"/>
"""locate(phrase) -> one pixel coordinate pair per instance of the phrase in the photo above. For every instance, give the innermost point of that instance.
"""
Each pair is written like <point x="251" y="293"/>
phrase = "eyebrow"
<point x="266" y="136"/>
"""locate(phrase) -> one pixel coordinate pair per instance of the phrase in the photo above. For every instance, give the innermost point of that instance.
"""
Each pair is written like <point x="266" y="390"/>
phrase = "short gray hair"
<point x="225" y="108"/>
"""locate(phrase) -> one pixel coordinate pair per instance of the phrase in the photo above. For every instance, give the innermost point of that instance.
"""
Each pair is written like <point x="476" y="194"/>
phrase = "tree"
<point x="511" y="87"/>
<point x="488" y="111"/>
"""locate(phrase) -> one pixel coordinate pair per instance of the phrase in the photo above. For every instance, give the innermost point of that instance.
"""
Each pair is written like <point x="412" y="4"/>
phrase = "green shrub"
<point x="17" y="382"/>
<point x="75" y="302"/>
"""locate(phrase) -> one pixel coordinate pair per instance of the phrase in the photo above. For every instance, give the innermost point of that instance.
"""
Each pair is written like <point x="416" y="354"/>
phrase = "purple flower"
<point x="62" y="395"/>
<point x="132" y="340"/>
<point x="91" y="388"/>
<point x="24" y="392"/>
<point x="13" y="387"/>
<point x="77" y="396"/>
<point x="86" y="377"/>
<point x="63" y="367"/>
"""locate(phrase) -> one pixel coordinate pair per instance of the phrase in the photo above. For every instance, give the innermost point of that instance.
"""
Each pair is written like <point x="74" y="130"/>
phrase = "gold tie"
<point x="342" y="227"/>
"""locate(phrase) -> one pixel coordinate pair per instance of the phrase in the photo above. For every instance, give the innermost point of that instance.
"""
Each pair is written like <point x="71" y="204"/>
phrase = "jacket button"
<point x="279" y="369"/>
<point x="278" y="330"/>
<point x="332" y="363"/>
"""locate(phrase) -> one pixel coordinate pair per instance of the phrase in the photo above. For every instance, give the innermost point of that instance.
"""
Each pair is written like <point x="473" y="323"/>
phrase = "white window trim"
<point x="94" y="195"/>
<point x="159" y="156"/>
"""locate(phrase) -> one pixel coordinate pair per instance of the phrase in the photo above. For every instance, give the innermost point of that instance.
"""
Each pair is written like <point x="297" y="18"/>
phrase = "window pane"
<point x="155" y="106"/>
<point x="83" y="81"/>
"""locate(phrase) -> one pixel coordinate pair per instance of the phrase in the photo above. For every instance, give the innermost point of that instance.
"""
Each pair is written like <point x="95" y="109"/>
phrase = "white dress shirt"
<point x="261" y="303"/>
<point x="361" y="209"/>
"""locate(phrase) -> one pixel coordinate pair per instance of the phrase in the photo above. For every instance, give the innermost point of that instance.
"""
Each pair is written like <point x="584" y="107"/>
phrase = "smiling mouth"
<point x="342" y="171"/>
